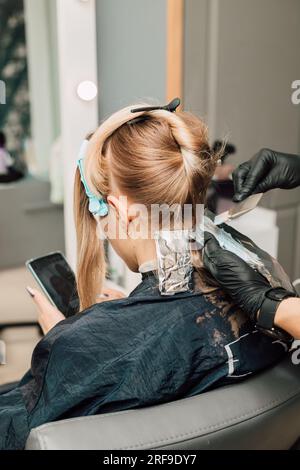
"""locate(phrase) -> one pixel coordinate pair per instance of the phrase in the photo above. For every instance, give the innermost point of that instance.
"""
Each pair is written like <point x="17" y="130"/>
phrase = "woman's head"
<point x="161" y="158"/>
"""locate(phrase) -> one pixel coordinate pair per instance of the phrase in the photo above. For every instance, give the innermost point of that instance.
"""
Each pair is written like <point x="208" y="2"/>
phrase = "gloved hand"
<point x="244" y="285"/>
<point x="266" y="170"/>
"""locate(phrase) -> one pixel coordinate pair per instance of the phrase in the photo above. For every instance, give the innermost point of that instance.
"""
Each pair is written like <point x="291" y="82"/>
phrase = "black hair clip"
<point x="171" y="107"/>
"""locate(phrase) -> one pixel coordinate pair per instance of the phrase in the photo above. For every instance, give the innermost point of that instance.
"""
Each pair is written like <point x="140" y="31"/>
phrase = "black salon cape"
<point x="130" y="353"/>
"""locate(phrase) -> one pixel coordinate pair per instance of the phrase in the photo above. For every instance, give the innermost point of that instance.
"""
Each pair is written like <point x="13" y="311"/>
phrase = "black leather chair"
<point x="262" y="412"/>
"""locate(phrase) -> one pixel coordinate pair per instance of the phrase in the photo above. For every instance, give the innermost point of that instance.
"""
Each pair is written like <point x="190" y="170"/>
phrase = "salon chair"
<point x="262" y="412"/>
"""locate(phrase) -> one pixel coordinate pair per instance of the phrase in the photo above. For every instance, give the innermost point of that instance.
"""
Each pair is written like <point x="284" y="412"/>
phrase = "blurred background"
<point x="68" y="64"/>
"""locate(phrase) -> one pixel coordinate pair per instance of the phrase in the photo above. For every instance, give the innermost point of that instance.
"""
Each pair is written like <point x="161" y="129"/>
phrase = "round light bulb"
<point x="87" y="90"/>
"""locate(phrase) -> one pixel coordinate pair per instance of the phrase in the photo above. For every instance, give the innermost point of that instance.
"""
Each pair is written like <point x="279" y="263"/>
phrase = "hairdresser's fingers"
<point x="268" y="182"/>
<point x="212" y="255"/>
<point x="216" y="254"/>
<point x="260" y="166"/>
<point x="210" y="244"/>
<point x="226" y="267"/>
<point x="238" y="176"/>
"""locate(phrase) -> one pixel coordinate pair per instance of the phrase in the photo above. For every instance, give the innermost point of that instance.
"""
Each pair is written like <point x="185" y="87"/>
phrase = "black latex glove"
<point x="266" y="170"/>
<point x="244" y="285"/>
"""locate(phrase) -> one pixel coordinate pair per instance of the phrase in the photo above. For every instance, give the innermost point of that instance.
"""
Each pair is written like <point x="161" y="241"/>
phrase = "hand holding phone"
<point x="48" y="315"/>
<point x="57" y="280"/>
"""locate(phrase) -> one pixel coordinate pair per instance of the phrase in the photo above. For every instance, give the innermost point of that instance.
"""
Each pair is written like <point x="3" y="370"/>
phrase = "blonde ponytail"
<point x="91" y="266"/>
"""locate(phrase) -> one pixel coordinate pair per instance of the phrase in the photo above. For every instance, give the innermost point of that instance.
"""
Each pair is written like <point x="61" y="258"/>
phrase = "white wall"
<point x="131" y="52"/>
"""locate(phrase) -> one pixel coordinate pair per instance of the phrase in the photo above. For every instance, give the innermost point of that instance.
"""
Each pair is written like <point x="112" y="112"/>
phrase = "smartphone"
<point x="57" y="280"/>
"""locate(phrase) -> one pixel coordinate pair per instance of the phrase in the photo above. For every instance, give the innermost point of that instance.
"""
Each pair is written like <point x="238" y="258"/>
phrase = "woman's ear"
<point x="119" y="204"/>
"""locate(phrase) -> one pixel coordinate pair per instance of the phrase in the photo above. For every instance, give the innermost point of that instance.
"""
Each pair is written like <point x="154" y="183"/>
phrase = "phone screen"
<point x="58" y="280"/>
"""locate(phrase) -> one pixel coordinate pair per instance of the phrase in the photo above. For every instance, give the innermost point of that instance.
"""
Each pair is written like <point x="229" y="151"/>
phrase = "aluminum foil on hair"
<point x="174" y="261"/>
<point x="267" y="268"/>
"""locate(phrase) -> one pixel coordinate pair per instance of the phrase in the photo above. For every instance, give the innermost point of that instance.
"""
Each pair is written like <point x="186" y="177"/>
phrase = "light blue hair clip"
<point x="97" y="206"/>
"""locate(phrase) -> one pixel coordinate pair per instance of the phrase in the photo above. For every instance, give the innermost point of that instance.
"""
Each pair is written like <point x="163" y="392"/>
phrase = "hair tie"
<point x="97" y="206"/>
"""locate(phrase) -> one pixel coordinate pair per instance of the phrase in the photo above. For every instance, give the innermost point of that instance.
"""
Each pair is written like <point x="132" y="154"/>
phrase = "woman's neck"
<point x="145" y="251"/>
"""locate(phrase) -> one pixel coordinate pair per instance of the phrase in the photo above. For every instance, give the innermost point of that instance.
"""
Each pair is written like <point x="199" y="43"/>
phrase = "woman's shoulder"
<point x="146" y="310"/>
<point x="131" y="315"/>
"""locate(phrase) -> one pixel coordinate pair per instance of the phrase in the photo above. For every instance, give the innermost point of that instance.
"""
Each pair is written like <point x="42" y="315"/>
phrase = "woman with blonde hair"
<point x="150" y="347"/>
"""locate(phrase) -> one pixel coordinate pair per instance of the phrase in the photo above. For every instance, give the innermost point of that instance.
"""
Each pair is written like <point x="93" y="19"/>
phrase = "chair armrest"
<point x="248" y="415"/>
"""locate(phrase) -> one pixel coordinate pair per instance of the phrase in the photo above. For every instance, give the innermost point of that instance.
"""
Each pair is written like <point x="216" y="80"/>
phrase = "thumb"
<point x="39" y="299"/>
<point x="239" y="175"/>
<point x="255" y="176"/>
<point x="211" y="245"/>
